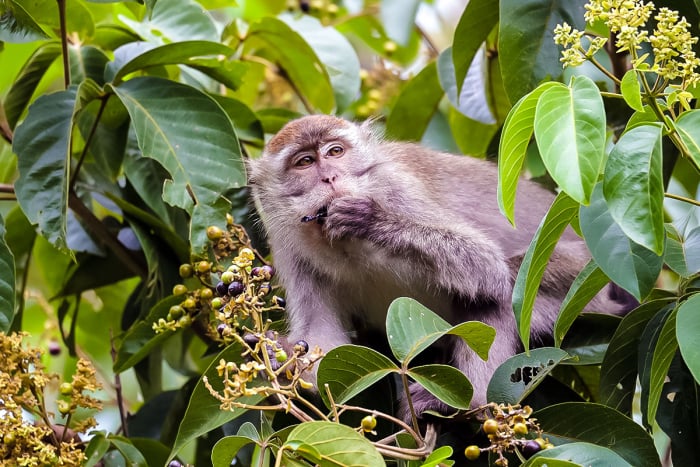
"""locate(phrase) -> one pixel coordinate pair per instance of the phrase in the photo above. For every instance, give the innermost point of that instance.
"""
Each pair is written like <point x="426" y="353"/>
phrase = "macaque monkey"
<point x="354" y="222"/>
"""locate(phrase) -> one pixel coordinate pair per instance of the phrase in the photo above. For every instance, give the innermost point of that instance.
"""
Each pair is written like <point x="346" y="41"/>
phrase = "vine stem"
<point x="64" y="41"/>
<point x="682" y="198"/>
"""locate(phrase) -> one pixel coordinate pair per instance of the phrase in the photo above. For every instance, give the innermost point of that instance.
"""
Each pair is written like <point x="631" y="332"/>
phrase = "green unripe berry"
<point x="281" y="356"/>
<point x="63" y="407"/>
<point x="216" y="303"/>
<point x="189" y="303"/>
<point x="185" y="321"/>
<point x="9" y="439"/>
<point x="205" y="293"/>
<point x="214" y="233"/>
<point x="180" y="289"/>
<point x="185" y="271"/>
<point x="490" y="426"/>
<point x="66" y="389"/>
<point x="472" y="452"/>
<point x="368" y="423"/>
<point x="227" y="277"/>
<point x="520" y="429"/>
<point x="175" y="312"/>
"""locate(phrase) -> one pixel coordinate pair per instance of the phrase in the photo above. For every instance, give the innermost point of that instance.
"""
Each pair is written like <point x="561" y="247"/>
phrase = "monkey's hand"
<point x="350" y="217"/>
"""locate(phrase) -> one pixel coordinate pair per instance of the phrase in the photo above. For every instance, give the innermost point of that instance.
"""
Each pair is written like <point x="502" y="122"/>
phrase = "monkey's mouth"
<point x="318" y="217"/>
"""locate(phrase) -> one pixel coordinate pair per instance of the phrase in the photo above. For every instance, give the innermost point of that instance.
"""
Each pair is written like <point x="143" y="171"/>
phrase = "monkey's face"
<point x="310" y="162"/>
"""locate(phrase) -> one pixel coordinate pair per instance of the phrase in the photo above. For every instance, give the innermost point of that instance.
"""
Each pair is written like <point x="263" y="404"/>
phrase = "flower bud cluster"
<point x="673" y="58"/>
<point x="23" y="383"/>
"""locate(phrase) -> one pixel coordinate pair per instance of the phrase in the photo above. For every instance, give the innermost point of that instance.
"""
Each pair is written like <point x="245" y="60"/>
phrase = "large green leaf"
<point x="587" y="454"/>
<point x="194" y="140"/>
<point x="532" y="269"/>
<point x="350" y="369"/>
<point x="688" y="127"/>
<point x="298" y="60"/>
<point x="334" y="444"/>
<point x="175" y="21"/>
<point x="618" y="372"/>
<point x="601" y="425"/>
<point x="521" y="374"/>
<point x="86" y="61"/>
<point x="688" y="333"/>
<point x="526" y="47"/>
<point x="664" y="350"/>
<point x="7" y="282"/>
<point x="203" y="412"/>
<point x="415" y="106"/>
<point x="25" y="83"/>
<point x="586" y="285"/>
<point x="223" y="454"/>
<point x="369" y="29"/>
<point x="42" y="143"/>
<point x="445" y="382"/>
<point x="570" y="130"/>
<point x="631" y="266"/>
<point x="399" y="18"/>
<point x="633" y="186"/>
<point x="517" y="132"/>
<point x="411" y="328"/>
<point x="336" y="53"/>
<point x="682" y="254"/>
<point x="17" y="25"/>
<point x="477" y="21"/>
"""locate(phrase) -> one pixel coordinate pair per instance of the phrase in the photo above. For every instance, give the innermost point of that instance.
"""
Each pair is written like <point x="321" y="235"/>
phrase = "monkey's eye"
<point x="335" y="151"/>
<point x="304" y="161"/>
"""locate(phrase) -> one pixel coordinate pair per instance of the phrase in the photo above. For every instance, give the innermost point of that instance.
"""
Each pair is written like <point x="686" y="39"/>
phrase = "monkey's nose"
<point x="329" y="179"/>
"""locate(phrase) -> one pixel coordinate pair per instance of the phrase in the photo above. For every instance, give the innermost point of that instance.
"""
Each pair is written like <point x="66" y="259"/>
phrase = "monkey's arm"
<point x="458" y="257"/>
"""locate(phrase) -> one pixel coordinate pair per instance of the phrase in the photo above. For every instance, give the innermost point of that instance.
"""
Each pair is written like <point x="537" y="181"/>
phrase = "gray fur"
<point x="402" y="220"/>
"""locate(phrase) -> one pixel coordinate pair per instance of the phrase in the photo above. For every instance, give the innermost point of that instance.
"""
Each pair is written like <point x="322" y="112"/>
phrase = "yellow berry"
<point x="369" y="423"/>
<point x="179" y="289"/>
<point x="63" y="407"/>
<point x="185" y="271"/>
<point x="203" y="266"/>
<point x="206" y="293"/>
<point x="390" y="47"/>
<point x="214" y="233"/>
<point x="189" y="303"/>
<point x="374" y="94"/>
<point x="66" y="389"/>
<point x="490" y="426"/>
<point x="472" y="452"/>
<point x="9" y="439"/>
<point x="520" y="429"/>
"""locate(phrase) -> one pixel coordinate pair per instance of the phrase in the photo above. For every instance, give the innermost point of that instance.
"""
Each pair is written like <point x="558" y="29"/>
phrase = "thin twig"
<point x="64" y="41"/>
<point x="118" y="386"/>
<point x="682" y="198"/>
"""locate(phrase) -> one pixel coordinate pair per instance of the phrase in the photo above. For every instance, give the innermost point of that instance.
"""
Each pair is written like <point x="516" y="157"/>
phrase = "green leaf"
<point x="631" y="266"/>
<point x="586" y="454"/>
<point x="415" y="105"/>
<point x="682" y="255"/>
<point x="203" y="412"/>
<point x="248" y="125"/>
<point x="41" y="143"/>
<point x="440" y="456"/>
<point x="334" y="444"/>
<point x="184" y="20"/>
<point x="203" y="158"/>
<point x="297" y="59"/>
<point x="86" y="61"/>
<point x="688" y="127"/>
<point x="445" y="382"/>
<point x="349" y="370"/>
<point x="336" y="53"/>
<point x="369" y="30"/>
<point x="560" y="214"/>
<point x="132" y="456"/>
<point x="7" y="282"/>
<point x="96" y="448"/>
<point x="521" y="374"/>
<point x="601" y="425"/>
<point x="17" y="25"/>
<point x="526" y="41"/>
<point x="472" y="137"/>
<point x="630" y="91"/>
<point x="664" y="350"/>
<point x="477" y="21"/>
<point x="633" y="186"/>
<point x="399" y="18"/>
<point x="517" y="132"/>
<point x="570" y="130"/>
<point x="618" y="372"/>
<point x="224" y="451"/>
<point x="588" y="339"/>
<point x="688" y="333"/>
<point x="586" y="285"/>
<point x="27" y="80"/>
<point x="478" y="336"/>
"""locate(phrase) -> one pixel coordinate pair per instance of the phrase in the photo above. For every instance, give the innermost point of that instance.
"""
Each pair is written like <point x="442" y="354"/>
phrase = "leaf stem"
<point x="64" y="41"/>
<point x="682" y="198"/>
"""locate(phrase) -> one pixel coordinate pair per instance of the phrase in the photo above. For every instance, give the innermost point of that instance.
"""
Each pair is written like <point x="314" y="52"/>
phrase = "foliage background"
<point x="123" y="146"/>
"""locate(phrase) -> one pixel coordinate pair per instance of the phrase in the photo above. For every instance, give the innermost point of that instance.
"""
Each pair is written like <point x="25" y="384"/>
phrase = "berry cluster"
<point x="509" y="429"/>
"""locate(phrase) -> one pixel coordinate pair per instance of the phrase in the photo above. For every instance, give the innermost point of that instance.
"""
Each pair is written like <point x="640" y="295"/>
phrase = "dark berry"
<point x="268" y="271"/>
<point x="175" y="463"/>
<point x="250" y="339"/>
<point x="235" y="288"/>
<point x="302" y="347"/>
<point x="54" y="348"/>
<point x="265" y="288"/>
<point x="531" y="448"/>
<point x="221" y="328"/>
<point x="279" y="301"/>
<point x="304" y="6"/>
<point x="256" y="272"/>
<point x="221" y="289"/>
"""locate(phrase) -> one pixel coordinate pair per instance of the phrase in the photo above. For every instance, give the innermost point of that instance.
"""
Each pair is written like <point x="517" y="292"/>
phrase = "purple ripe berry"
<point x="268" y="271"/>
<point x="221" y="328"/>
<point x="256" y="271"/>
<point x="250" y="339"/>
<point x="175" y="463"/>
<point x="54" y="348"/>
<point x="221" y="289"/>
<point x="302" y="347"/>
<point x="531" y="448"/>
<point x="279" y="301"/>
<point x="235" y="288"/>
